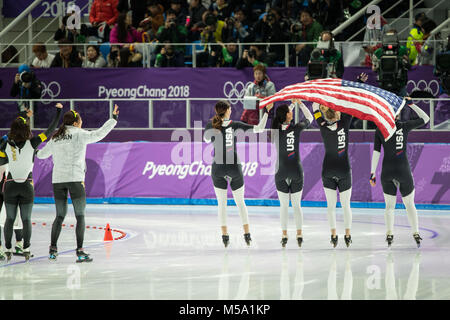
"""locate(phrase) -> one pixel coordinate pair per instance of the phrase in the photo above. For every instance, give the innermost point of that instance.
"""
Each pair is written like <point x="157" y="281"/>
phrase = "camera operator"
<point x="326" y="61"/>
<point x="261" y="87"/>
<point x="171" y="32"/>
<point x="26" y="86"/>
<point x="391" y="64"/>
<point x="272" y="29"/>
<point x="168" y="57"/>
<point x="254" y="56"/>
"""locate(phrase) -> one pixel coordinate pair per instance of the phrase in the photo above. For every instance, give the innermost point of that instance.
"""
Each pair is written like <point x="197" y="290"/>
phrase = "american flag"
<point x="360" y="100"/>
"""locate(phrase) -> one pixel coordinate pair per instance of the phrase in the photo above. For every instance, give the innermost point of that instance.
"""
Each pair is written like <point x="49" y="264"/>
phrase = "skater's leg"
<point x="332" y="277"/>
<point x="19" y="234"/>
<point x="411" y="212"/>
<point x="331" y="197"/>
<point x="348" y="279"/>
<point x="221" y="195"/>
<point x="25" y="214"/>
<point x="238" y="196"/>
<point x="78" y="196"/>
<point x="391" y="291"/>
<point x="296" y="199"/>
<point x="390" y="201"/>
<point x="11" y="212"/>
<point x="284" y="205"/>
<point x="345" y="202"/>
<point x="60" y="193"/>
<point x="413" y="280"/>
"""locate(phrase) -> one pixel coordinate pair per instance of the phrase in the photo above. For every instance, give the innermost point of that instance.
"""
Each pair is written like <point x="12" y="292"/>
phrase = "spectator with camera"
<point x="103" y="16"/>
<point x="235" y="29"/>
<point x="26" y="86"/>
<point x="180" y="12"/>
<point x="113" y="57"/>
<point x="43" y="58"/>
<point x="196" y="11"/>
<point x="154" y="19"/>
<point x="326" y="61"/>
<point x="391" y="64"/>
<point x="168" y="57"/>
<point x="261" y="87"/>
<point x="211" y="35"/>
<point x="271" y="28"/>
<point x="171" y="32"/>
<point x="221" y="9"/>
<point x="227" y="57"/>
<point x="308" y="31"/>
<point x="254" y="56"/>
<point x="67" y="57"/>
<point x="93" y="58"/>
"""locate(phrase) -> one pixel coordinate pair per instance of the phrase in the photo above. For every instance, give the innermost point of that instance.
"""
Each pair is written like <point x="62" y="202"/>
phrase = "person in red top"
<point x="103" y="16"/>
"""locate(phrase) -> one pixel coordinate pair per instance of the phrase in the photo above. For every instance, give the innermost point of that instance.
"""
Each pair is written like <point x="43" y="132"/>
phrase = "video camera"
<point x="318" y="65"/>
<point x="443" y="70"/>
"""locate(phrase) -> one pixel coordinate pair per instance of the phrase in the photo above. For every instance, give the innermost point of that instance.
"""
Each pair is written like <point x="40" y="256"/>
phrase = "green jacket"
<point x="313" y="32"/>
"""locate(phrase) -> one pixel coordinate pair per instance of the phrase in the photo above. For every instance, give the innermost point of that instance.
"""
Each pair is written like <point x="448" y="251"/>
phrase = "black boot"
<point x="226" y="240"/>
<point x="334" y="241"/>
<point x="83" y="256"/>
<point x="417" y="238"/>
<point x="348" y="240"/>
<point x="53" y="252"/>
<point x="299" y="241"/>
<point x="247" y="238"/>
<point x="284" y="241"/>
<point x="390" y="239"/>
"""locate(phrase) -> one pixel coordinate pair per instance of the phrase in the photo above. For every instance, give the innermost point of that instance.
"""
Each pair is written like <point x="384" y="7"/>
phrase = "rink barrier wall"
<point x="249" y="202"/>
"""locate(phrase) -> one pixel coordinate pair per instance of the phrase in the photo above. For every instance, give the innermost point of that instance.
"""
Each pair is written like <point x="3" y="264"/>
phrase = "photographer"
<point x="261" y="87"/>
<point x="210" y="37"/>
<point x="326" y="61"/>
<point x="308" y="31"/>
<point x="391" y="64"/>
<point x="254" y="56"/>
<point x="168" y="57"/>
<point x="171" y="32"/>
<point x="236" y="29"/>
<point x="196" y="11"/>
<point x="67" y="57"/>
<point x="270" y="29"/>
<point x="227" y="57"/>
<point x="221" y="9"/>
<point x="26" y="86"/>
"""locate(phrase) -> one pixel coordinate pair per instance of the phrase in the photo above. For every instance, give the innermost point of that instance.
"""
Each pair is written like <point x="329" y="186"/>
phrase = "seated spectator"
<point x="180" y="13"/>
<point x="415" y="38"/>
<point x="70" y="34"/>
<point x="168" y="57"/>
<point x="93" y="59"/>
<point x="129" y="57"/>
<point x="102" y="17"/>
<point x="123" y="31"/>
<point x="269" y="29"/>
<point x="260" y="88"/>
<point x="154" y="17"/>
<point x="137" y="7"/>
<point x="67" y="57"/>
<point x="221" y="9"/>
<point x="227" y="57"/>
<point x="237" y="27"/>
<point x="255" y="56"/>
<point x="114" y="57"/>
<point x="196" y="11"/>
<point x="9" y="55"/>
<point x="309" y="32"/>
<point x="43" y="59"/>
<point x="26" y="86"/>
<point x="171" y="32"/>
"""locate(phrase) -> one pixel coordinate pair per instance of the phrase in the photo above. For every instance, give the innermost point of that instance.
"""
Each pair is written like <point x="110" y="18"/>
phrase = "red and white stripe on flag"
<point x="359" y="100"/>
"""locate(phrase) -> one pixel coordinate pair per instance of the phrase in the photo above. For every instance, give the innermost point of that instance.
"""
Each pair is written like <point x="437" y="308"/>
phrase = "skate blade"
<point x="84" y="260"/>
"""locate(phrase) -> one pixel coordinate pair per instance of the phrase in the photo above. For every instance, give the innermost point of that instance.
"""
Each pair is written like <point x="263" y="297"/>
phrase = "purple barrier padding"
<point x="134" y="170"/>
<point x="130" y="83"/>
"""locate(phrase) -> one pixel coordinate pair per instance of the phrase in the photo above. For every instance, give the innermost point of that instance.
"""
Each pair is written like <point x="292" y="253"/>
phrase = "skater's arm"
<point x="208" y="132"/>
<point x="375" y="158"/>
<point x="3" y="157"/>
<point x="2" y="170"/>
<point x="423" y="118"/>
<point x="318" y="115"/>
<point x="36" y="141"/>
<point x="308" y="116"/>
<point x="46" y="151"/>
<point x="99" y="134"/>
<point x="262" y="124"/>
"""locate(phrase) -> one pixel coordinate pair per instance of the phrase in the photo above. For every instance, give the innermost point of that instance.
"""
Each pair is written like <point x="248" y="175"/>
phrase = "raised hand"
<point x="269" y="106"/>
<point x="116" y="110"/>
<point x="59" y="105"/>
<point x="373" y="180"/>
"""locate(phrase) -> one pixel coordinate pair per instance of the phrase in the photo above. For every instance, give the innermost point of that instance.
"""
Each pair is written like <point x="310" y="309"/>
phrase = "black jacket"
<point x="75" y="60"/>
<point x="34" y="92"/>
<point x="138" y="7"/>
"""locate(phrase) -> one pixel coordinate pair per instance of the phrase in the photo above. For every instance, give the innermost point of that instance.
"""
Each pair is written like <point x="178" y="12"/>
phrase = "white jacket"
<point x="69" y="152"/>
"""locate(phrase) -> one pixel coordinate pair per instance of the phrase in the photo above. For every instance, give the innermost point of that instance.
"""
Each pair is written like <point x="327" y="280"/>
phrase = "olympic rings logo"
<point x="52" y="90"/>
<point x="235" y="92"/>
<point x="431" y="87"/>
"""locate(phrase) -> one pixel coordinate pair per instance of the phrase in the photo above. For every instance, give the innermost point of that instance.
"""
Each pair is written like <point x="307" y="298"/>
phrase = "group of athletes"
<point x="336" y="171"/>
<point x="68" y="148"/>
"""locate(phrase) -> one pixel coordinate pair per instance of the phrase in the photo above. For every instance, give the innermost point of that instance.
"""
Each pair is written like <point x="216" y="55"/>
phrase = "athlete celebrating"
<point x="226" y="166"/>
<point x="68" y="148"/>
<point x="18" y="150"/>
<point x="336" y="172"/>
<point x="289" y="174"/>
<point x="396" y="172"/>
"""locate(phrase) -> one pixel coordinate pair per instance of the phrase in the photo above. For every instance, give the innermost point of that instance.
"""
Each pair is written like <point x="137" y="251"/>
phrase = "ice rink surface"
<point x="176" y="252"/>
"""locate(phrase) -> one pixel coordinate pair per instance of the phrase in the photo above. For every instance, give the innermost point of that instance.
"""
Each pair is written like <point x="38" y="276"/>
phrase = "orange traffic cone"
<point x="108" y="234"/>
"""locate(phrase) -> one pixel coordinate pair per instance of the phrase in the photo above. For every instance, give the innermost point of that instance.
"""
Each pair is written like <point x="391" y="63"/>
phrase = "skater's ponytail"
<point x="280" y="116"/>
<point x="70" y="117"/>
<point x="221" y="108"/>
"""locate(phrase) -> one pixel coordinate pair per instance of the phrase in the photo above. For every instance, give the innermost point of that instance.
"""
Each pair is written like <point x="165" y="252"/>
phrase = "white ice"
<point x="176" y="252"/>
